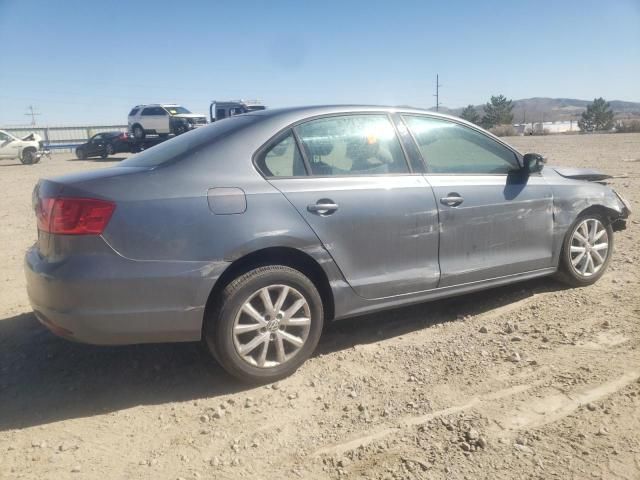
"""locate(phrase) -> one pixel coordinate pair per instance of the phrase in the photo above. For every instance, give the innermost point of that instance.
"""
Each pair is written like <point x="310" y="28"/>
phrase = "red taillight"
<point x="73" y="216"/>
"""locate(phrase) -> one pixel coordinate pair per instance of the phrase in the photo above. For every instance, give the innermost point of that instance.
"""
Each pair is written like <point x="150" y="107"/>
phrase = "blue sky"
<point x="84" y="61"/>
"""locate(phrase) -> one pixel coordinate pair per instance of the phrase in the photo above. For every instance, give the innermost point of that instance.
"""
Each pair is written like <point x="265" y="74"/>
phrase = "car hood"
<point x="32" y="137"/>
<point x="587" y="174"/>
<point x="189" y="115"/>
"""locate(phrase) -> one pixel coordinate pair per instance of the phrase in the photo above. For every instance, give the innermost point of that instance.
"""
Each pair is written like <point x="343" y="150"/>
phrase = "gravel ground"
<point x="528" y="381"/>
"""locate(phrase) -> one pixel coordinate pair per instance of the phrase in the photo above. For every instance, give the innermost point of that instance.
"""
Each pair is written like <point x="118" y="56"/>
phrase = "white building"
<point x="539" y="128"/>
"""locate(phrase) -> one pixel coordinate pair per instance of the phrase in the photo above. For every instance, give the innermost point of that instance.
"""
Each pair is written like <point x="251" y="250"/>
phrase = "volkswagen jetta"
<point x="252" y="232"/>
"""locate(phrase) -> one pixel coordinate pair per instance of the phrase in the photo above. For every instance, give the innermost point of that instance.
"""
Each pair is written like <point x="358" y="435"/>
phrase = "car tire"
<point x="586" y="250"/>
<point x="265" y="345"/>
<point x="28" y="156"/>
<point x="109" y="150"/>
<point x="180" y="129"/>
<point x="81" y="154"/>
<point x="138" y="132"/>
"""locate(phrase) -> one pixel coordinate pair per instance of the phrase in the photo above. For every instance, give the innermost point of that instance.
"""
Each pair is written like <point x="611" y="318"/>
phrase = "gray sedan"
<point x="252" y="232"/>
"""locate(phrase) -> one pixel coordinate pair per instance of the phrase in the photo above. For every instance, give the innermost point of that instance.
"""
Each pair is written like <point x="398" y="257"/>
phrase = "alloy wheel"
<point x="272" y="326"/>
<point x="589" y="247"/>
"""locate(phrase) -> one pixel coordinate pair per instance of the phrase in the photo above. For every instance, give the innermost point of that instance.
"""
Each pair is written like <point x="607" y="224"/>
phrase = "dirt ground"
<point x="528" y="381"/>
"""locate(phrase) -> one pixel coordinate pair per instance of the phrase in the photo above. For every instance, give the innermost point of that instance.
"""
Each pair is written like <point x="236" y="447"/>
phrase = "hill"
<point x="555" y="109"/>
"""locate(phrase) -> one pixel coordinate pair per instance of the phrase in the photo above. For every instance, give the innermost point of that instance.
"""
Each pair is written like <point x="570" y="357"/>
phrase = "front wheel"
<point x="138" y="132"/>
<point x="586" y="251"/>
<point x="28" y="156"/>
<point x="267" y="322"/>
<point x="180" y="128"/>
<point x="109" y="150"/>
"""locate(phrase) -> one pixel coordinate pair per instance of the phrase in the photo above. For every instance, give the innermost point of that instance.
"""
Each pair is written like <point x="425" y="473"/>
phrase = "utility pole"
<point x="32" y="113"/>
<point x="437" y="94"/>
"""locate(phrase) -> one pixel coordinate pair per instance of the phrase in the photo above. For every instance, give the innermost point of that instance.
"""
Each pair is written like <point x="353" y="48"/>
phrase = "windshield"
<point x="176" y="110"/>
<point x="180" y="146"/>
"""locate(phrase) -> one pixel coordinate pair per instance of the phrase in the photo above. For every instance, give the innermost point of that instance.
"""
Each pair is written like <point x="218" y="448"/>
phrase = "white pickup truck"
<point x="26" y="149"/>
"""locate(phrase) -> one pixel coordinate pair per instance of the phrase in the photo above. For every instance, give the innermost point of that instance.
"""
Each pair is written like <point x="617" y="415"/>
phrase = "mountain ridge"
<point x="549" y="109"/>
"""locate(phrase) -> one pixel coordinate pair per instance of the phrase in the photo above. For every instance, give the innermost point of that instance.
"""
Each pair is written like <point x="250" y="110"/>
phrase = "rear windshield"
<point x="179" y="147"/>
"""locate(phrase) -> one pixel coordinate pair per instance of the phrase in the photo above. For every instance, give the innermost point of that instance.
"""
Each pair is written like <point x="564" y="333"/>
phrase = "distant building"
<point x="539" y="128"/>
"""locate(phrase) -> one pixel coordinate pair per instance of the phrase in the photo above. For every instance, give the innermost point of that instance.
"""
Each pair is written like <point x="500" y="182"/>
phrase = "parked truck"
<point x="219" y="110"/>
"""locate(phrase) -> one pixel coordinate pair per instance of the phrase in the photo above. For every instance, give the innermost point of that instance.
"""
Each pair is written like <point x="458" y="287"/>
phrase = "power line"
<point x="32" y="113"/>
<point x="437" y="94"/>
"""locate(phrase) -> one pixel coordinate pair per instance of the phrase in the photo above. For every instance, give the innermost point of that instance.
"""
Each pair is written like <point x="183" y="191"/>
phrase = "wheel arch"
<point x="615" y="217"/>
<point x="287" y="256"/>
<point x="607" y="212"/>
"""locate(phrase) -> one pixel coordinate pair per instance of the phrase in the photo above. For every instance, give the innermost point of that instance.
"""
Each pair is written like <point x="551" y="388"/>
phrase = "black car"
<point x="104" y="144"/>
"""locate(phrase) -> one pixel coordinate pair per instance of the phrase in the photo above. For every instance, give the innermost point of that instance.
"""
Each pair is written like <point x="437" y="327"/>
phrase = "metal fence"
<point x="64" y="138"/>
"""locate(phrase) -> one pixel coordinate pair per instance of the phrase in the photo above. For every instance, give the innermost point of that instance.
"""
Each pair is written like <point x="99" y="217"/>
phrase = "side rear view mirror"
<point x="533" y="162"/>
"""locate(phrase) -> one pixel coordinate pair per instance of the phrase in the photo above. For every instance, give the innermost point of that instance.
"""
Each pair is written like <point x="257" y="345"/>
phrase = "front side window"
<point x="352" y="145"/>
<point x="282" y="159"/>
<point x="450" y="148"/>
<point x="4" y="137"/>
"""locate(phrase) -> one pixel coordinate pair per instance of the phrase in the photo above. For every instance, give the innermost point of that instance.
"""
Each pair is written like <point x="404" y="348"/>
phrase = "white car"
<point x="26" y="149"/>
<point x="162" y="119"/>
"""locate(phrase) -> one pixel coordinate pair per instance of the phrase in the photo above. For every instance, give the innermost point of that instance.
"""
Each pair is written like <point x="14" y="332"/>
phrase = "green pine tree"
<point x="470" y="114"/>
<point x="597" y="117"/>
<point x="497" y="112"/>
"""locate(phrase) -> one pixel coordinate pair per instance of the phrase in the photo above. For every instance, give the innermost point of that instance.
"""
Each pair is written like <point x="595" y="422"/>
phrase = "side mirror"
<point x="533" y="162"/>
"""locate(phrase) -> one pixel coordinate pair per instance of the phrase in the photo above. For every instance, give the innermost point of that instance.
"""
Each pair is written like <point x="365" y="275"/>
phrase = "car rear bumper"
<point x="107" y="299"/>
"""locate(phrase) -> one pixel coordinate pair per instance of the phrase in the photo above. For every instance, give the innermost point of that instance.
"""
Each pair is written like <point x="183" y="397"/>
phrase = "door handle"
<point x="323" y="207"/>
<point x="452" y="200"/>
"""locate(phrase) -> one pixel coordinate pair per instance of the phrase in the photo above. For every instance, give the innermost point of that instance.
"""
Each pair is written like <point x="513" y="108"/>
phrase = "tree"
<point x="470" y="114"/>
<point x="598" y="116"/>
<point x="497" y="112"/>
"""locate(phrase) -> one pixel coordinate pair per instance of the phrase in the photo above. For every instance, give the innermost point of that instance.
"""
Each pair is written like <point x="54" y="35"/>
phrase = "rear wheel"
<point x="267" y="322"/>
<point x="109" y="150"/>
<point x="587" y="249"/>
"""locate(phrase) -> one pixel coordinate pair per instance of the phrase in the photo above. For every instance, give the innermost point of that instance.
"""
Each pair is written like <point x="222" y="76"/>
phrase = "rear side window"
<point x="282" y="159"/>
<point x="450" y="148"/>
<point x="154" y="111"/>
<point x="133" y="112"/>
<point x="352" y="145"/>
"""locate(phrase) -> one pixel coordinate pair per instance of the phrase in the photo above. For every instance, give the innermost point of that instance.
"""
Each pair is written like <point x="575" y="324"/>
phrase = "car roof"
<point x="303" y="112"/>
<point x="158" y="105"/>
